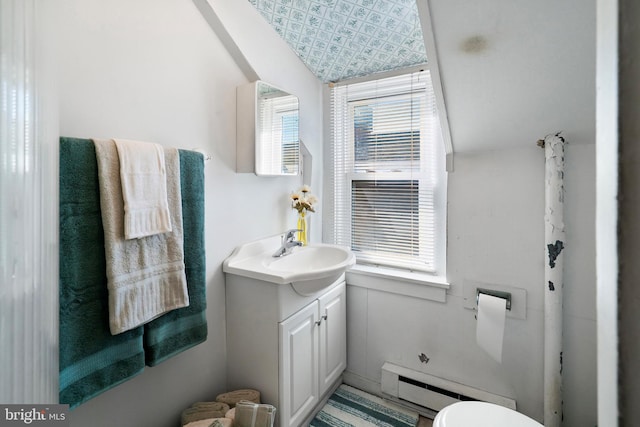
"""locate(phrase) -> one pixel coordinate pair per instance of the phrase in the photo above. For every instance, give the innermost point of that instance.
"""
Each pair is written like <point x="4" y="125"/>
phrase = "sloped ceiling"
<point x="512" y="72"/>
<point x="516" y="71"/>
<point x="342" y="39"/>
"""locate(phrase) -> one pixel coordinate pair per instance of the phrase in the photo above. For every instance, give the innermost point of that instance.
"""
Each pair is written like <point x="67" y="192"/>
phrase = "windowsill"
<point x="408" y="283"/>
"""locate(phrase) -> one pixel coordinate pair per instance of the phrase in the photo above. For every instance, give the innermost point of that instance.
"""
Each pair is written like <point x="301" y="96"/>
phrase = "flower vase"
<point x="302" y="227"/>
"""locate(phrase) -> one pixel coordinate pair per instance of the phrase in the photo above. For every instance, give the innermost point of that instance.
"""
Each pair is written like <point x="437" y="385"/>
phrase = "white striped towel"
<point x="145" y="277"/>
<point x="144" y="188"/>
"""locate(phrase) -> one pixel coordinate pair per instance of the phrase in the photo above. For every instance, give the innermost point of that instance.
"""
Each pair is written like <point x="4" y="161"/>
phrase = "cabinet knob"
<point x="318" y="322"/>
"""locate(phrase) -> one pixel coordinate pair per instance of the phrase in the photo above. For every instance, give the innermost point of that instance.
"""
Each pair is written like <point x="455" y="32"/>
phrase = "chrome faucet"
<point x="288" y="243"/>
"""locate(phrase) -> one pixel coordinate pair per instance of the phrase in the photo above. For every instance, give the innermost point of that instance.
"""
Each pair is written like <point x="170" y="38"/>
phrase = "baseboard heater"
<point x="432" y="392"/>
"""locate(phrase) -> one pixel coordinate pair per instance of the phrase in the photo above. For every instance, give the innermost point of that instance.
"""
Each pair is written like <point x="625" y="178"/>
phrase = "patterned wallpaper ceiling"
<point x="342" y="39"/>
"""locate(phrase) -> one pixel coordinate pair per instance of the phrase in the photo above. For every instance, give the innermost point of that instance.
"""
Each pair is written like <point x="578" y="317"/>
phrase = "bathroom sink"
<point x="310" y="258"/>
<point x="308" y="269"/>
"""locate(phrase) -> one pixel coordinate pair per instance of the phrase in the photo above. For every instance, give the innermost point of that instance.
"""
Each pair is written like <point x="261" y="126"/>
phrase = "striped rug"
<point x="350" y="407"/>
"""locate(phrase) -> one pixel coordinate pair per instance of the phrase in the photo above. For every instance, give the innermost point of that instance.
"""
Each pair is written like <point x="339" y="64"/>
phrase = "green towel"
<point x="91" y="359"/>
<point x="185" y="327"/>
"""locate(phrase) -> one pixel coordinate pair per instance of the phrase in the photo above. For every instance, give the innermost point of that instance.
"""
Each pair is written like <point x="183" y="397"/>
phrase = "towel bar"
<point x="207" y="156"/>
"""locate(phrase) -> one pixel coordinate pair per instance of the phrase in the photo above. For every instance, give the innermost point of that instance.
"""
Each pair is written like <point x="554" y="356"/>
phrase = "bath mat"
<point x="349" y="406"/>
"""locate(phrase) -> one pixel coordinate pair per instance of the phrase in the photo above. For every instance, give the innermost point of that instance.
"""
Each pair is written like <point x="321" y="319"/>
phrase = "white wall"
<point x="273" y="61"/>
<point x="496" y="236"/>
<point x="154" y="70"/>
<point x="536" y="57"/>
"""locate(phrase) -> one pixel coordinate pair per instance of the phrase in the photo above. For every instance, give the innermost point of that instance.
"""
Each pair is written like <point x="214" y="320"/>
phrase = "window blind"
<point x="385" y="145"/>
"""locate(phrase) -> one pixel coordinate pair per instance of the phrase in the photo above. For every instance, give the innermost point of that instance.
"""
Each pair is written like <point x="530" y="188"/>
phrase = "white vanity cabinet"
<point x="313" y="354"/>
<point x="290" y="347"/>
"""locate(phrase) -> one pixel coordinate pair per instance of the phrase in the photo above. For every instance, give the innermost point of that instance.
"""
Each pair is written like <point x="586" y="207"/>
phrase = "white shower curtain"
<point x="28" y="217"/>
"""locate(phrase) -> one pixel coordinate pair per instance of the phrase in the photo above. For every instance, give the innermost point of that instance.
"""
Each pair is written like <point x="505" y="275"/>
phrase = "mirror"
<point x="267" y="130"/>
<point x="277" y="143"/>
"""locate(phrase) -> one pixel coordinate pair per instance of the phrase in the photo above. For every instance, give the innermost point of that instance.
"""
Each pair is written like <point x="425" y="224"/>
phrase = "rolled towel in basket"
<point x="212" y="406"/>
<point x="231" y="413"/>
<point x="204" y="410"/>
<point x="249" y="414"/>
<point x="233" y="397"/>
<point x="211" y="422"/>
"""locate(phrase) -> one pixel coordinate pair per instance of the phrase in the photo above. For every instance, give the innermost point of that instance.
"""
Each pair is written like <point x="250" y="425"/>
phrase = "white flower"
<point x="303" y="200"/>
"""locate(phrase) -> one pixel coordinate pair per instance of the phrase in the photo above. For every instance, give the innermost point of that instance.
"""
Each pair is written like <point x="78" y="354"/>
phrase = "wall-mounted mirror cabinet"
<point x="267" y="130"/>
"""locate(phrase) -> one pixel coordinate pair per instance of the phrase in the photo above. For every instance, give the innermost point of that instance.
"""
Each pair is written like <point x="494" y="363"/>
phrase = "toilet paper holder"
<point x="493" y="293"/>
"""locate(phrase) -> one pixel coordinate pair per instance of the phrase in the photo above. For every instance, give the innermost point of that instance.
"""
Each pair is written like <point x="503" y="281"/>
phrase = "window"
<point x="389" y="181"/>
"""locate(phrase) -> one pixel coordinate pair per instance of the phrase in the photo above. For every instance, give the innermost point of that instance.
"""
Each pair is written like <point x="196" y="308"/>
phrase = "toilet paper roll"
<point x="491" y="321"/>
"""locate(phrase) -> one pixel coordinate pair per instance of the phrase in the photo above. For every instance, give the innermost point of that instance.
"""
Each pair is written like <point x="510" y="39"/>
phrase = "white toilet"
<point x="481" y="414"/>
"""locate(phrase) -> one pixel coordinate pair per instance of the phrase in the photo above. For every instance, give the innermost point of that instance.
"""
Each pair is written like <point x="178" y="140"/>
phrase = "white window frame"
<point x="437" y="183"/>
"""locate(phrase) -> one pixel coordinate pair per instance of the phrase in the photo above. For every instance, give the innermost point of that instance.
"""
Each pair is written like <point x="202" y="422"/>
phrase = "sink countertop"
<point x="306" y="268"/>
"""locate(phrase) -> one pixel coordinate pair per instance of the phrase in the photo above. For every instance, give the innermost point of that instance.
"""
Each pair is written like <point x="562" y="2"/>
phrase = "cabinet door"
<point x="298" y="365"/>
<point x="333" y="336"/>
